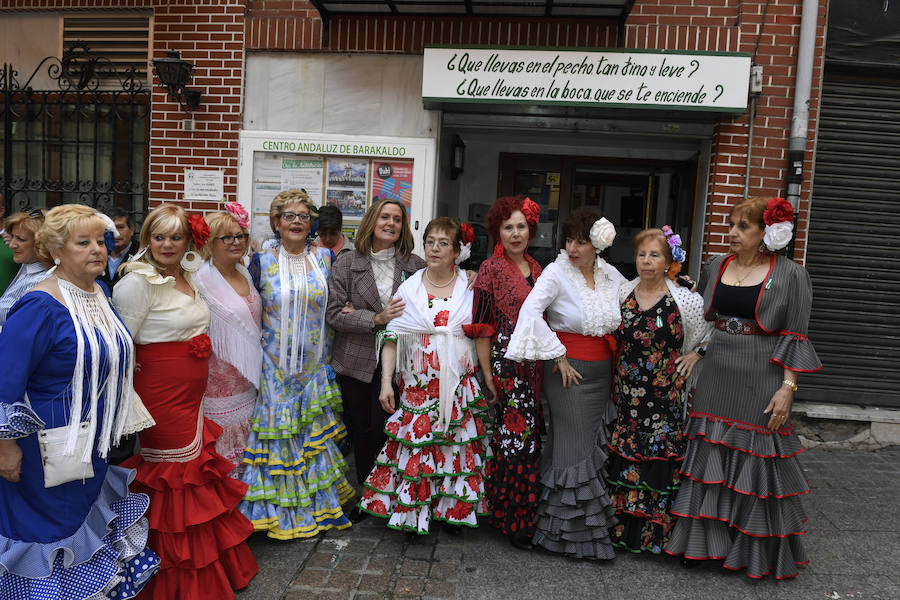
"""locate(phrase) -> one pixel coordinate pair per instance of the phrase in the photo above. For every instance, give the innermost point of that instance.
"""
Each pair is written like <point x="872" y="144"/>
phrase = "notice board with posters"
<point x="346" y="171"/>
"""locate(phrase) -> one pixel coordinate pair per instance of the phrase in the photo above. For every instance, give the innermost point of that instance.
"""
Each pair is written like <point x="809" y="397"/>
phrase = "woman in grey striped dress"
<point x="579" y="293"/>
<point x="739" y="500"/>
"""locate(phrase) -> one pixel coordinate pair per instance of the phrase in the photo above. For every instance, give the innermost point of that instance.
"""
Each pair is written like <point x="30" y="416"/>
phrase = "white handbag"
<point x="58" y="467"/>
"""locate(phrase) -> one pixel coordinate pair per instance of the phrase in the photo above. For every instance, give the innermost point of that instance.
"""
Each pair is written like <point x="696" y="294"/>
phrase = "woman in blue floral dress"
<point x="294" y="469"/>
<point x="661" y="327"/>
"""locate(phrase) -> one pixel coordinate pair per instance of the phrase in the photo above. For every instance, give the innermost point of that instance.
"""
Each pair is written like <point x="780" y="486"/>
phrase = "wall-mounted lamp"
<point x="175" y="73"/>
<point x="457" y="157"/>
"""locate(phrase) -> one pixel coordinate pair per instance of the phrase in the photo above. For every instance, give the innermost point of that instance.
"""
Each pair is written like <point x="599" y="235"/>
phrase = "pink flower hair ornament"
<point x="238" y="212"/>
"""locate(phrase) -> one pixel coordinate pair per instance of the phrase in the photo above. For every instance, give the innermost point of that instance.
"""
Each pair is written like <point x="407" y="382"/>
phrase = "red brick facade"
<point x="705" y="25"/>
<point x="215" y="34"/>
<point x="209" y="34"/>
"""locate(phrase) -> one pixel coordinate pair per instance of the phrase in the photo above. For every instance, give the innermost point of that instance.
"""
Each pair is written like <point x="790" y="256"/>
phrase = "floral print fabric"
<point x="647" y="444"/>
<point x="512" y="488"/>
<point x="422" y="473"/>
<point x="292" y="465"/>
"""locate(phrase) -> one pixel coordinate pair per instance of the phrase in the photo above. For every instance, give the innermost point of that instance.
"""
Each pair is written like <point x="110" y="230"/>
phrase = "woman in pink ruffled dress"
<point x="234" y="329"/>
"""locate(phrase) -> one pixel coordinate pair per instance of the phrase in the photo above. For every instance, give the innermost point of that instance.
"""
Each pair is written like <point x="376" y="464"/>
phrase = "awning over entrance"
<point x="617" y="9"/>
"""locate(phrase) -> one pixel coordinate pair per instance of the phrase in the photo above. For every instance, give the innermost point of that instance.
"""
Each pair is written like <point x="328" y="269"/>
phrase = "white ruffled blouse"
<point x="562" y="293"/>
<point x="154" y="311"/>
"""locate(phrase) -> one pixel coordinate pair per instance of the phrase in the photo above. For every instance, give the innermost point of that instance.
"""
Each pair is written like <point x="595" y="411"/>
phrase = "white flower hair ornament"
<point x="111" y="233"/>
<point x="779" y="220"/>
<point x="602" y="235"/>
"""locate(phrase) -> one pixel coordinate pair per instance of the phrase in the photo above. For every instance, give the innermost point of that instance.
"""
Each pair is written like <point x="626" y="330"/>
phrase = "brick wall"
<point x="298" y="27"/>
<point x="738" y="25"/>
<point x="702" y="25"/>
<point x="209" y="34"/>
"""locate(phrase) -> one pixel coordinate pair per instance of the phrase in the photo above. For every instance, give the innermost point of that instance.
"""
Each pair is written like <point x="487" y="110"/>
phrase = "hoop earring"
<point x="191" y="261"/>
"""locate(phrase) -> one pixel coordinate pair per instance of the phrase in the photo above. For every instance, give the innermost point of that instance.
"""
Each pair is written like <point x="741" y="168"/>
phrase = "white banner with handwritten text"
<point x="610" y="78"/>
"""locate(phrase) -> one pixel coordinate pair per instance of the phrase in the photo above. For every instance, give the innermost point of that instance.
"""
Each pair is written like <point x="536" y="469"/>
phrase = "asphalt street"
<point x="853" y="540"/>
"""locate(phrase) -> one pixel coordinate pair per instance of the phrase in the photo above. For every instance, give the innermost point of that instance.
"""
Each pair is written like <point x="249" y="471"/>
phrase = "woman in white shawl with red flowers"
<point x="431" y="467"/>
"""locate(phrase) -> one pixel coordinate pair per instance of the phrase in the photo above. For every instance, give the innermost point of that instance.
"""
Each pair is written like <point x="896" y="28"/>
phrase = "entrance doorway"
<point x="632" y="193"/>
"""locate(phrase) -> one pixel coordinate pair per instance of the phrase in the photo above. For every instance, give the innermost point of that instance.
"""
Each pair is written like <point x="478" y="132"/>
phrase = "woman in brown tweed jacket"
<point x="361" y="302"/>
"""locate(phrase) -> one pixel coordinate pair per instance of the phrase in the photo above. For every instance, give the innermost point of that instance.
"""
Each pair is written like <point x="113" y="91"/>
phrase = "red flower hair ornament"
<point x="531" y="210"/>
<point x="779" y="219"/>
<point x="467" y="236"/>
<point x="199" y="230"/>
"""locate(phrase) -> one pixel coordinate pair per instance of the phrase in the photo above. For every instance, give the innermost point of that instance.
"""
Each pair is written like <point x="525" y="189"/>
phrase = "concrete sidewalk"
<point x="853" y="541"/>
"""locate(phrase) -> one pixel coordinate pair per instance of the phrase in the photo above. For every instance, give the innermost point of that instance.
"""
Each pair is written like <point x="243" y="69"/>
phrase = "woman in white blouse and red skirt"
<point x="195" y="525"/>
<point x="578" y="293"/>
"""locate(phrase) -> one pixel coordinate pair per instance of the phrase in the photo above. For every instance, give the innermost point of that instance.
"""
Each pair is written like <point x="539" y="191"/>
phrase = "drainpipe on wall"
<point x="800" y="117"/>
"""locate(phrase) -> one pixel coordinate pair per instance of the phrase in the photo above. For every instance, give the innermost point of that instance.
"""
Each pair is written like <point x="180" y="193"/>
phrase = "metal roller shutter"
<point x="852" y="253"/>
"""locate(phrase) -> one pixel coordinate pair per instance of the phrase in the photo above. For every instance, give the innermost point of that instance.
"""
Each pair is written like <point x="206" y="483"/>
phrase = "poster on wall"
<point x="392" y="180"/>
<point x="275" y="172"/>
<point x="347" y="186"/>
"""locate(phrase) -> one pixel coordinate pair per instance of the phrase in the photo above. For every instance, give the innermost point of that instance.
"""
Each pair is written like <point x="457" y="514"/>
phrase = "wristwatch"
<point x="701" y="350"/>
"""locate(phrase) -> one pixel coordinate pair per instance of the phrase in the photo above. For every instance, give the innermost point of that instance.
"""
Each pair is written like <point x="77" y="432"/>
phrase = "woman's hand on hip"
<point x="10" y="460"/>
<point x="570" y="376"/>
<point x="470" y="279"/>
<point x="780" y="407"/>
<point x="684" y="364"/>
<point x="386" y="398"/>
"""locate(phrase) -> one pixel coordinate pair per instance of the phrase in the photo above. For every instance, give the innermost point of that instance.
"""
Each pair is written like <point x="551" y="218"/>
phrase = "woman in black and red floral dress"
<point x="503" y="283"/>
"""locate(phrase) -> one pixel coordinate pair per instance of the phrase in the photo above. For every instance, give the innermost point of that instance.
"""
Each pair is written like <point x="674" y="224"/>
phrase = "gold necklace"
<point x="443" y="285"/>
<point x="739" y="282"/>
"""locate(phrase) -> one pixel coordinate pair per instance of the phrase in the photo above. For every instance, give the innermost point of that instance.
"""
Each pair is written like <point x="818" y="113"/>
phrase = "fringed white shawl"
<point x="92" y="316"/>
<point x="294" y="294"/>
<point x="455" y="351"/>
<point x="234" y="333"/>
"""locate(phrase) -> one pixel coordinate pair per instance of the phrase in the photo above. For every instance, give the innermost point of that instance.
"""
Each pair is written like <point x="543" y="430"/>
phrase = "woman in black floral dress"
<point x="503" y="283"/>
<point x="661" y="327"/>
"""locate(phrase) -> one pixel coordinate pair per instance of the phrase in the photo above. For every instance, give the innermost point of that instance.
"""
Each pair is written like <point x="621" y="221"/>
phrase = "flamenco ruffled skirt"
<point x="295" y="473"/>
<point x="423" y="474"/>
<point x="739" y="500"/>
<point x="107" y="557"/>
<point x="195" y="525"/>
<point x="575" y="512"/>
<point x="741" y="486"/>
<point x="644" y="476"/>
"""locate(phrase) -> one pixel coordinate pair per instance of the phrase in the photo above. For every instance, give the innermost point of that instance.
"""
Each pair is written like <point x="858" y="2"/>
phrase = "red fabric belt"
<point x="587" y="347"/>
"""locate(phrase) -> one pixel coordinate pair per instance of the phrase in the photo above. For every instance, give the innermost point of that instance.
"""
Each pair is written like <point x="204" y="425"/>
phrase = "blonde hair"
<point x="404" y="244"/>
<point x="165" y="219"/>
<point x="286" y="198"/>
<point x="59" y="223"/>
<point x="25" y="220"/>
<point x="218" y="223"/>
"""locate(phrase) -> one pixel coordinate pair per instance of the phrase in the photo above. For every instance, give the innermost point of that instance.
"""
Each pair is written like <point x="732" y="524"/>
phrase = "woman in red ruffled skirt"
<point x="195" y="526"/>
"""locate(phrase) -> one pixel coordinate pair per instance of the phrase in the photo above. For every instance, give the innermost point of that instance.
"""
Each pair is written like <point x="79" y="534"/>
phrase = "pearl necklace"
<point x="443" y="285"/>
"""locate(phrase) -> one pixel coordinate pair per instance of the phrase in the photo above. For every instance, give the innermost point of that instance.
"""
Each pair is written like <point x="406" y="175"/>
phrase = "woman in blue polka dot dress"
<point x="76" y="532"/>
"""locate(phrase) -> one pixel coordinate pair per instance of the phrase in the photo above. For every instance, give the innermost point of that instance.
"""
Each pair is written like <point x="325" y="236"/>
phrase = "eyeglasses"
<point x="442" y="244"/>
<point x="290" y="217"/>
<point x="36" y="213"/>
<point x="231" y="239"/>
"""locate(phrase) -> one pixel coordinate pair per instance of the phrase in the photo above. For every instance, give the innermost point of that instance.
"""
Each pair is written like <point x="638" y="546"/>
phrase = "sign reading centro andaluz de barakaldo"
<point x="716" y="81"/>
